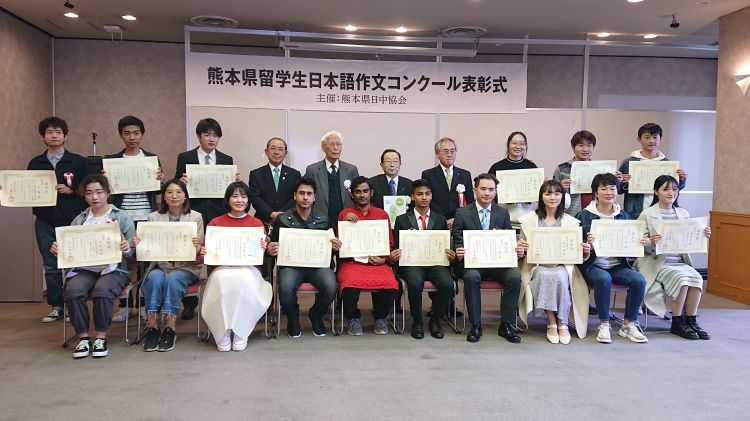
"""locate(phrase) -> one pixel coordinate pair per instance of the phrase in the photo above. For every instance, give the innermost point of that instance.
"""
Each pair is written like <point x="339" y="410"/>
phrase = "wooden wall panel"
<point x="729" y="255"/>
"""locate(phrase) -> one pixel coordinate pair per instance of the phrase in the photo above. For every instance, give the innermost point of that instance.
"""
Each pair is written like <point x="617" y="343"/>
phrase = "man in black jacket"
<point x="272" y="185"/>
<point x="448" y="181"/>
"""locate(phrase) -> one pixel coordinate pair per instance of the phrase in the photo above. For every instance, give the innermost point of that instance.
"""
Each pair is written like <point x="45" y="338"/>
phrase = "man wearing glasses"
<point x="448" y="181"/>
<point x="389" y="183"/>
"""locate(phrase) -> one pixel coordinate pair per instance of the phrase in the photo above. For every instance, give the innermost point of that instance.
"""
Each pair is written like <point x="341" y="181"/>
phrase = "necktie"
<point x="333" y="170"/>
<point x="207" y="160"/>
<point x="485" y="219"/>
<point x="392" y="187"/>
<point x="423" y="218"/>
<point x="448" y="177"/>
<point x="276" y="172"/>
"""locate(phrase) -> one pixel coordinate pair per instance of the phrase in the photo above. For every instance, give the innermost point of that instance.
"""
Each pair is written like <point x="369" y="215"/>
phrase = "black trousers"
<point x="382" y="301"/>
<point x="415" y="278"/>
<point x="511" y="281"/>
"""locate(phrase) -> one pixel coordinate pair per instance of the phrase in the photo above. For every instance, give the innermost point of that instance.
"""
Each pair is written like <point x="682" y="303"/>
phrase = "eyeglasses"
<point x="391" y="161"/>
<point x="448" y="151"/>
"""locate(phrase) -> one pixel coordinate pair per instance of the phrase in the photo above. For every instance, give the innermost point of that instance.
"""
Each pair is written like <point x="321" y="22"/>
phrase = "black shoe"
<point x="506" y="331"/>
<point x="436" y="331"/>
<point x="151" y="342"/>
<point x="475" y="333"/>
<point x="188" y="313"/>
<point x="100" y="348"/>
<point x="682" y="329"/>
<point x="167" y="340"/>
<point x="292" y="327"/>
<point x="417" y="329"/>
<point x="693" y="323"/>
<point x="83" y="349"/>
<point x="318" y="327"/>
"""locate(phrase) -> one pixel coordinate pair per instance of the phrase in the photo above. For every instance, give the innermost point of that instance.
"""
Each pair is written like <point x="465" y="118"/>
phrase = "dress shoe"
<point x="436" y="331"/>
<point x="475" y="333"/>
<point x="506" y="331"/>
<point x="417" y="329"/>
<point x="188" y="313"/>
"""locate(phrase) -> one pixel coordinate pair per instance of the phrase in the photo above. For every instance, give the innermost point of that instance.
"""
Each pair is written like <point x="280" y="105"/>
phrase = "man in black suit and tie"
<point x="272" y="185"/>
<point x="485" y="214"/>
<point x="423" y="218"/>
<point x="389" y="183"/>
<point x="447" y="180"/>
<point x="331" y="175"/>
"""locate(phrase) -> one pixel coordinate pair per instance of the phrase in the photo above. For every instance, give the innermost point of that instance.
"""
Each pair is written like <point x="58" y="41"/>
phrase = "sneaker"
<point x="292" y="327"/>
<point x="100" y="348"/>
<point x="355" y="327"/>
<point x="633" y="332"/>
<point x="151" y="342"/>
<point x="225" y="344"/>
<point x="83" y="349"/>
<point x="121" y="315"/>
<point x="318" y="327"/>
<point x="239" y="344"/>
<point x="381" y="327"/>
<point x="167" y="340"/>
<point x="604" y="336"/>
<point x="53" y="316"/>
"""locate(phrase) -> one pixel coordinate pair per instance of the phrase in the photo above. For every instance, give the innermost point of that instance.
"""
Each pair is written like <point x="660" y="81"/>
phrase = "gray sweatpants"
<point x="103" y="291"/>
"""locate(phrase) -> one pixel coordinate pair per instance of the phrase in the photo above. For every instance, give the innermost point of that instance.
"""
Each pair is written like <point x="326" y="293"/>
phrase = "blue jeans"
<point x="45" y="235"/>
<point x="164" y="292"/>
<point x="620" y="275"/>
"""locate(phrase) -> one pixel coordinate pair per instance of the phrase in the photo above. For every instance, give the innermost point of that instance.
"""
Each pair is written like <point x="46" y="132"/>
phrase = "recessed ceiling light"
<point x="350" y="28"/>
<point x="70" y="15"/>
<point x="401" y="29"/>
<point x="700" y="2"/>
<point x="603" y="34"/>
<point x="128" y="17"/>
<point x="634" y="1"/>
<point x="650" y="36"/>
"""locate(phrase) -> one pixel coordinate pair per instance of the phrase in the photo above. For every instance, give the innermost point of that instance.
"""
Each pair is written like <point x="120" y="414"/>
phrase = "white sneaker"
<point x="225" y="344"/>
<point x="239" y="344"/>
<point x="604" y="336"/>
<point x="54" y="315"/>
<point x="121" y="315"/>
<point x="633" y="332"/>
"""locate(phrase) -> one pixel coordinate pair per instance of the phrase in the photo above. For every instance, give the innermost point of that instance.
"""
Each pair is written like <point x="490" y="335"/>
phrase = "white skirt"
<point x="235" y="298"/>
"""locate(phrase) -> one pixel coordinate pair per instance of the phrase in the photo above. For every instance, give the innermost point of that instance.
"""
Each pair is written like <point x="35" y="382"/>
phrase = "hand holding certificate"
<point x="582" y="172"/>
<point x="234" y="246"/>
<point x="644" y="173"/>
<point x="490" y="249"/>
<point x="555" y="246"/>
<point x="683" y="236"/>
<point x="132" y="175"/>
<point x="306" y="248"/>
<point x="88" y="245"/>
<point x="166" y="241"/>
<point x="209" y="181"/>
<point x="618" y="238"/>
<point x="517" y="186"/>
<point x="364" y="238"/>
<point x="28" y="188"/>
<point x="424" y="247"/>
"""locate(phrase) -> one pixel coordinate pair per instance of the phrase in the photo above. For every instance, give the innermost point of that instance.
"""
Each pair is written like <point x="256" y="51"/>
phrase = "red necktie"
<point x="423" y="218"/>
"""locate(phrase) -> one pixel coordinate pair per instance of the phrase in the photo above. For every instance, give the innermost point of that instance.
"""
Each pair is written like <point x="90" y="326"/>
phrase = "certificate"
<point x="490" y="249"/>
<point x="424" y="247"/>
<point x="516" y="186"/>
<point x="682" y="236"/>
<point x="209" y="181"/>
<point x="88" y="245"/>
<point x="618" y="237"/>
<point x="644" y="173"/>
<point x="554" y="246"/>
<point x="395" y="206"/>
<point x="583" y="172"/>
<point x="132" y="175"/>
<point x="234" y="246"/>
<point x="306" y="248"/>
<point x="28" y="188"/>
<point x="364" y="238"/>
<point x="166" y="241"/>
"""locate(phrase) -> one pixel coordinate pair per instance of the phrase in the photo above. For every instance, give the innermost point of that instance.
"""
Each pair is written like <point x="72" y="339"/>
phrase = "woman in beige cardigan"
<point x="166" y="282"/>
<point x="555" y="289"/>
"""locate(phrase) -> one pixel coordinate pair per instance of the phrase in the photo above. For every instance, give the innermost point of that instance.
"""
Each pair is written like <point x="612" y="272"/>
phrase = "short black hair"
<point x="208" y="125"/>
<point x="512" y="135"/>
<point x="582" y="136"/>
<point x="94" y="178"/>
<point x="651" y="128"/>
<point x="662" y="180"/>
<point x="485" y="176"/>
<point x="359" y="180"/>
<point x="54" y="122"/>
<point x="382" y="155"/>
<point x="164" y="208"/>
<point x="420" y="183"/>
<point x="237" y="185"/>
<point x="601" y="180"/>
<point x="130" y="120"/>
<point x="269" y="141"/>
<point x="306" y="181"/>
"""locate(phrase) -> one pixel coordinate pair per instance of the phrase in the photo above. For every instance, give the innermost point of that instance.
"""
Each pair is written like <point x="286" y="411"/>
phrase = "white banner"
<point x="223" y="80"/>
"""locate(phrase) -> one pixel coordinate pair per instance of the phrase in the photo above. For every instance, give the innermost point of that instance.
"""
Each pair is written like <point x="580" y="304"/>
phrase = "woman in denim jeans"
<point x="166" y="282"/>
<point x="602" y="272"/>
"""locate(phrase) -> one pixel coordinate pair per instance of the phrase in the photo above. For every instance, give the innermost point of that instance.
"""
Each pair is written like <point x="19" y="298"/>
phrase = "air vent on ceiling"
<point x="463" y="32"/>
<point x="214" y="22"/>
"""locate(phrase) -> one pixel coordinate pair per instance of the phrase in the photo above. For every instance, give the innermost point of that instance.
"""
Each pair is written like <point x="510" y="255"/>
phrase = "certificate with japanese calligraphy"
<point x="209" y="181"/>
<point x="306" y="248"/>
<point x="28" y="188"/>
<point x="395" y="206"/>
<point x="583" y="172"/>
<point x="364" y="238"/>
<point x="424" y="247"/>
<point x="618" y="237"/>
<point x="644" y="173"/>
<point x="132" y="175"/>
<point x="490" y="249"/>
<point x="166" y="241"/>
<point x="517" y="186"/>
<point x="554" y="246"/>
<point x="234" y="246"/>
<point x="88" y="245"/>
<point x="682" y="236"/>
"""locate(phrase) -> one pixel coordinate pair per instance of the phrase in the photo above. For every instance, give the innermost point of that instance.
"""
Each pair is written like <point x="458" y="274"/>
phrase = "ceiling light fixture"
<point x="401" y="29"/>
<point x="650" y="36"/>
<point x="350" y="28"/>
<point x="71" y="15"/>
<point x="743" y="81"/>
<point x="128" y="17"/>
<point x="634" y="1"/>
<point x="377" y="49"/>
<point x="603" y="34"/>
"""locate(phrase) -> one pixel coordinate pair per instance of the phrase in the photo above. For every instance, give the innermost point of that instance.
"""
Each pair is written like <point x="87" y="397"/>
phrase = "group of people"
<point x="445" y="197"/>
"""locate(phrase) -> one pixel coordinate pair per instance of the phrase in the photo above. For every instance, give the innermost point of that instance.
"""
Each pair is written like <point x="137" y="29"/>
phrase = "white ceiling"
<point x="163" y="20"/>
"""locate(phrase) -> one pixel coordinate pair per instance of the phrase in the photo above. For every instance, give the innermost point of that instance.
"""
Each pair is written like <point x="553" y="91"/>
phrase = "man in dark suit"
<point x="389" y="183"/>
<point x="422" y="218"/>
<point x="446" y="179"/>
<point x="331" y="175"/>
<point x="485" y="214"/>
<point x="272" y="185"/>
